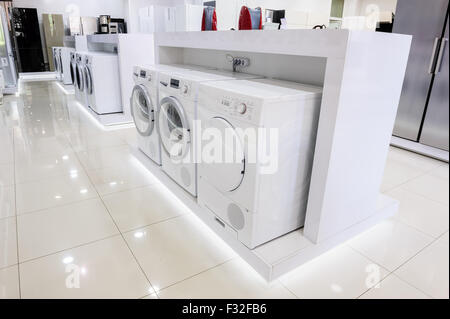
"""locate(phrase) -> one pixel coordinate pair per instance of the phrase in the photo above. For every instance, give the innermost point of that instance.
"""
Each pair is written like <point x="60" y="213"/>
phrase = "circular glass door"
<point x="224" y="164"/>
<point x="173" y="127"/>
<point x="80" y="80"/>
<point x="89" y="87"/>
<point x="142" y="110"/>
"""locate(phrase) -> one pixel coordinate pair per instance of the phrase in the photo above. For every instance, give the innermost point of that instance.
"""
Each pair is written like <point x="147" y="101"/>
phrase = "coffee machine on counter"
<point x="108" y="25"/>
<point x="104" y="21"/>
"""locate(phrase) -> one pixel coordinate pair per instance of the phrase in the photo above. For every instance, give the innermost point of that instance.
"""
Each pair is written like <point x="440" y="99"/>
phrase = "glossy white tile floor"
<point x="80" y="218"/>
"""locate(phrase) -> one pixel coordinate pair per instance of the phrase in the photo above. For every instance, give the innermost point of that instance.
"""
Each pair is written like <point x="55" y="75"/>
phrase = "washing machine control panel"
<point x="176" y="85"/>
<point x="237" y="107"/>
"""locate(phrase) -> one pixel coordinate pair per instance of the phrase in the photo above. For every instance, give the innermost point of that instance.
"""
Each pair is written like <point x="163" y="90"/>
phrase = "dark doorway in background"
<point x="27" y="39"/>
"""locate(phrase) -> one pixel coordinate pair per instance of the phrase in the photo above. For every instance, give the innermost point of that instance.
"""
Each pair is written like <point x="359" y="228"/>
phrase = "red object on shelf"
<point x="250" y="19"/>
<point x="209" y="20"/>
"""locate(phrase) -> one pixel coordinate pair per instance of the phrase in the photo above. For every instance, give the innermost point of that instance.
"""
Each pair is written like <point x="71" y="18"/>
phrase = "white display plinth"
<point x="280" y="255"/>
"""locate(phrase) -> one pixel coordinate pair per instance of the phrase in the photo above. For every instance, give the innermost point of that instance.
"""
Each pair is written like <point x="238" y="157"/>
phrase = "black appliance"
<point x="275" y="15"/>
<point x="27" y="39"/>
<point x="104" y="23"/>
<point x="386" y="26"/>
<point x="121" y="26"/>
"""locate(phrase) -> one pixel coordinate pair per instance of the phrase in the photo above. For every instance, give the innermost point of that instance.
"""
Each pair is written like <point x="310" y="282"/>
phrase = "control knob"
<point x="185" y="89"/>
<point x="241" y="108"/>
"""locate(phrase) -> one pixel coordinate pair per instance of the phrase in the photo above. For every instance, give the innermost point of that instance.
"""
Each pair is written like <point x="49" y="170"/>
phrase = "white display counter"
<point x="362" y="76"/>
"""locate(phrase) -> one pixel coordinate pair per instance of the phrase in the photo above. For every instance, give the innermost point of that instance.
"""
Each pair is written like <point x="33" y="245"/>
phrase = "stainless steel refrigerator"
<point x="7" y="63"/>
<point x="423" y="114"/>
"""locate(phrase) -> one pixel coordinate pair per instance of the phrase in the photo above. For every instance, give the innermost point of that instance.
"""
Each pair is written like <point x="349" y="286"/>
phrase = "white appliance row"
<point x="61" y="60"/>
<point x="97" y="81"/>
<point x="257" y="206"/>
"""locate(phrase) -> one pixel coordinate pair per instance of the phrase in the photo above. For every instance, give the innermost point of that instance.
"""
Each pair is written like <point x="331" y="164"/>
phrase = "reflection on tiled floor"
<point x="81" y="218"/>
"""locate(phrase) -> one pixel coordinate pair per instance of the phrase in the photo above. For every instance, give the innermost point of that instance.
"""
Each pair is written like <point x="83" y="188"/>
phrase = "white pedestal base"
<point x="108" y="119"/>
<point x="66" y="88"/>
<point x="280" y="255"/>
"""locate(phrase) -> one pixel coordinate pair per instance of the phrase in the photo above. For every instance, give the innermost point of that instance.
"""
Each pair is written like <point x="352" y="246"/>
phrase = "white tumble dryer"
<point x="144" y="103"/>
<point x="176" y="121"/>
<point x="103" y="82"/>
<point x="80" y="78"/>
<point x="65" y="65"/>
<point x="255" y="182"/>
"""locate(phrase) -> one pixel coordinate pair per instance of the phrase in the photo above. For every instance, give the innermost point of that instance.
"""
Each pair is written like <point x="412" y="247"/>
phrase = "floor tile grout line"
<point x="405" y="182"/>
<point x="154" y="293"/>
<point x="127" y="190"/>
<point x="9" y="266"/>
<point x="405" y="262"/>
<point x="155" y="223"/>
<point x="373" y="262"/>
<point x="92" y="199"/>
<point x="60" y="174"/>
<point x="16" y="214"/>
<point x="417" y="194"/>
<point x="57" y="206"/>
<point x="435" y="161"/>
<point x="409" y="284"/>
<point x="374" y="286"/>
<point x="428" y="198"/>
<point x="285" y="287"/>
<point x="392" y="274"/>
<point x="420" y="251"/>
<point x="417" y="229"/>
<point x="197" y="274"/>
<point x="121" y="234"/>
<point x="7" y="217"/>
<point x="67" y="249"/>
<point x="425" y="172"/>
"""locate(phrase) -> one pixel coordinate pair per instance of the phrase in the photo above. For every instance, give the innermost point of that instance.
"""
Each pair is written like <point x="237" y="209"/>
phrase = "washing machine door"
<point x="72" y="72"/>
<point x="80" y="78"/>
<point x="223" y="161"/>
<point x="142" y="110"/>
<point x="88" y="77"/>
<point x="173" y="127"/>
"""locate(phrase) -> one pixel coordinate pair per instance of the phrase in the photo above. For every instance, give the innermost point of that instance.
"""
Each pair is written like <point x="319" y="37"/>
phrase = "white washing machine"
<point x="254" y="197"/>
<point x="144" y="104"/>
<point x="65" y="65"/>
<point x="103" y="82"/>
<point x="176" y="122"/>
<point x="80" y="78"/>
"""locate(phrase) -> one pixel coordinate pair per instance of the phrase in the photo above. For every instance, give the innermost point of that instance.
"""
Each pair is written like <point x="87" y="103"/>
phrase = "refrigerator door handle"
<point x="432" y="66"/>
<point x="441" y="55"/>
